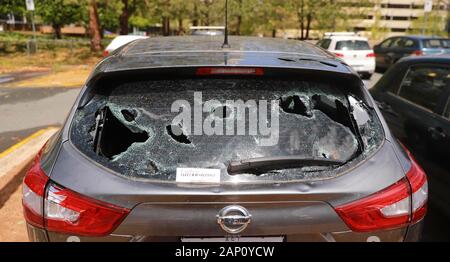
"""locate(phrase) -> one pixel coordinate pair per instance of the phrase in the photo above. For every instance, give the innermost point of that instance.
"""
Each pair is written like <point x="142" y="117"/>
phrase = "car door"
<point x="396" y="51"/>
<point x="381" y="50"/>
<point x="409" y="47"/>
<point x="440" y="133"/>
<point x="413" y="110"/>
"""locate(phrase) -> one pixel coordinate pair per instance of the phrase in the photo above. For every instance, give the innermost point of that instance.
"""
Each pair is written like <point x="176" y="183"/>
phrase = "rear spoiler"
<point x="102" y="82"/>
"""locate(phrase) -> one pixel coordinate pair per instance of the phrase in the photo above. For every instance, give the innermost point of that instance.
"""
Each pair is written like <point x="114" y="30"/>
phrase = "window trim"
<point x="434" y="110"/>
<point x="389" y="39"/>
<point x="446" y="109"/>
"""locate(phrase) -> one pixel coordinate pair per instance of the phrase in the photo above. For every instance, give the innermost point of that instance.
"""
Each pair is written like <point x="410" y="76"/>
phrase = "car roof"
<point x="343" y="37"/>
<point x="420" y="37"/>
<point x="191" y="51"/>
<point x="426" y="59"/>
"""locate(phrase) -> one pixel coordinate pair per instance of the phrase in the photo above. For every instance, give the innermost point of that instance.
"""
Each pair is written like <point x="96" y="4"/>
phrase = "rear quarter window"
<point x="325" y="43"/>
<point x="436" y="43"/>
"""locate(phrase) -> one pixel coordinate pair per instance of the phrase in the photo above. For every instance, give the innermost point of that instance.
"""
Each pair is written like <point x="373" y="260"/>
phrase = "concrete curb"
<point x="24" y="151"/>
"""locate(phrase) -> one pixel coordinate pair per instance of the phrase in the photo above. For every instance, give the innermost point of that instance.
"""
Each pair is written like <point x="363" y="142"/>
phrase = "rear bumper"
<point x="366" y="67"/>
<point x="412" y="234"/>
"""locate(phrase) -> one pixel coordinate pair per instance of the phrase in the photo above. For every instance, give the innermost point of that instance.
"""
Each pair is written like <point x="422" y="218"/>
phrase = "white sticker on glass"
<point x="198" y="175"/>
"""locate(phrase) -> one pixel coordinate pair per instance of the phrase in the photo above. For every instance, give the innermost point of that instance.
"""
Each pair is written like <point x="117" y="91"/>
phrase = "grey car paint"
<point x="301" y="211"/>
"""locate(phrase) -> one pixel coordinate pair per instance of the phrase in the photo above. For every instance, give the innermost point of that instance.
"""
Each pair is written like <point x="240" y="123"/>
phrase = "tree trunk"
<point x="239" y="19"/>
<point x="302" y="20"/>
<point x="180" y="26"/>
<point x="166" y="26"/>
<point x="195" y="21"/>
<point x="308" y="24"/>
<point x="57" y="29"/>
<point x="94" y="27"/>
<point x="123" y="19"/>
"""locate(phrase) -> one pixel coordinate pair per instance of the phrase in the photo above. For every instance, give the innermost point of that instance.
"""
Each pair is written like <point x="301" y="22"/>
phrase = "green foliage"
<point x="431" y="24"/>
<point x="109" y="13"/>
<point x="59" y="12"/>
<point x="246" y="17"/>
<point x="17" y="7"/>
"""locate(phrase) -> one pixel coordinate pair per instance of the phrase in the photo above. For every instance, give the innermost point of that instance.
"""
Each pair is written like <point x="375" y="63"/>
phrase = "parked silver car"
<point x="177" y="139"/>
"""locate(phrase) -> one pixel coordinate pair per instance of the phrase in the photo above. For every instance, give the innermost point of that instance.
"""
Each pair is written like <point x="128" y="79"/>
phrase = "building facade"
<point x="398" y="17"/>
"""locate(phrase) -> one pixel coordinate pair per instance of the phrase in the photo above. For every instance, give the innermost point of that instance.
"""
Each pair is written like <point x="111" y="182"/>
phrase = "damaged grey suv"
<point x="179" y="139"/>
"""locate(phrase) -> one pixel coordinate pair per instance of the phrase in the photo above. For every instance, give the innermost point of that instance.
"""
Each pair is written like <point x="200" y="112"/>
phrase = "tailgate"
<point x="199" y="219"/>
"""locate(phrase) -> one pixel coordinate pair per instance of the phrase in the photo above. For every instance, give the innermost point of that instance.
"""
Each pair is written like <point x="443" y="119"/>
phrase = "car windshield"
<point x="436" y="43"/>
<point x="352" y="45"/>
<point x="149" y="129"/>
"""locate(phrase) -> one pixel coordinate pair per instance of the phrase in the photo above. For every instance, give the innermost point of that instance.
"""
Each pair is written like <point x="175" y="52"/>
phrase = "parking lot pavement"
<point x="22" y="75"/>
<point x="373" y="80"/>
<point x="26" y="110"/>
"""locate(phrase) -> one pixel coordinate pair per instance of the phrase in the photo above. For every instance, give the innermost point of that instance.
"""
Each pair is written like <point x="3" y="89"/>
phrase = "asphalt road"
<point x="26" y="110"/>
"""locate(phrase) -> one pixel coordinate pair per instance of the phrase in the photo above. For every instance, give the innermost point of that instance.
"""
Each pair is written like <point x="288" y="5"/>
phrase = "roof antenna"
<point x="225" y="41"/>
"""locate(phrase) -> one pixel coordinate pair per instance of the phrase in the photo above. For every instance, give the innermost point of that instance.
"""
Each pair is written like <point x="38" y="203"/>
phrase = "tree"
<point x="12" y="7"/>
<point x="124" y="16"/>
<point x="94" y="27"/>
<point x="58" y="13"/>
<point x="109" y="12"/>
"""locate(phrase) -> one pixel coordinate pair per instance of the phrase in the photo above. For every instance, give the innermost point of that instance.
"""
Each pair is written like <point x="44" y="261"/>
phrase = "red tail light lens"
<point x="398" y="205"/>
<point x="339" y="54"/>
<point x="370" y="55"/>
<point x="33" y="190"/>
<point x="105" y="53"/>
<point x="70" y="212"/>
<point x="205" y="71"/>
<point x="417" y="53"/>
<point x="419" y="185"/>
<point x="61" y="210"/>
<point x="388" y="208"/>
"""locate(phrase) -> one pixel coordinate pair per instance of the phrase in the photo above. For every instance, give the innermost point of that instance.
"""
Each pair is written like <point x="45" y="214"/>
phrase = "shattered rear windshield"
<point x="148" y="129"/>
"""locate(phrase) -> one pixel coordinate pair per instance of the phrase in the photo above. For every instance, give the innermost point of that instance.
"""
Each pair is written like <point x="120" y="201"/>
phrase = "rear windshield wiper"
<point x="264" y="164"/>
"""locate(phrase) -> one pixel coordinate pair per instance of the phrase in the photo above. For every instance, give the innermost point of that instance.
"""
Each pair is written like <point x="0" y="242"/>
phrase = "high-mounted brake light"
<point x="205" y="71"/>
<point x="417" y="53"/>
<point x="398" y="205"/>
<point x="47" y="205"/>
<point x="370" y="55"/>
<point x="339" y="54"/>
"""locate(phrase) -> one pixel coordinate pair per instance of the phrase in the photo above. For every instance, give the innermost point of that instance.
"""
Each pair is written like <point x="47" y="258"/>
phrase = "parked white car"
<point x="353" y="49"/>
<point x="119" y="41"/>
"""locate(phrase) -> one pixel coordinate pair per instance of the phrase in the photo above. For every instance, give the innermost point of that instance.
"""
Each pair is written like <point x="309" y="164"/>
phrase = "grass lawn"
<point x="68" y="65"/>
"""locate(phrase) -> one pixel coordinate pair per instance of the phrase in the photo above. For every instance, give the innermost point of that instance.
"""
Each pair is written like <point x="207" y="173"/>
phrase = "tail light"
<point x="398" y="205"/>
<point x="419" y="186"/>
<point x="47" y="205"/>
<point x="339" y="54"/>
<point x="33" y="191"/>
<point x="370" y="55"/>
<point x="205" y="71"/>
<point x="417" y="53"/>
<point x="105" y="53"/>
<point x="70" y="212"/>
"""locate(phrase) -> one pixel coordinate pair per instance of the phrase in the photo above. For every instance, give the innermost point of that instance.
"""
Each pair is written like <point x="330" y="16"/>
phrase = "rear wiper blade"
<point x="264" y="164"/>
